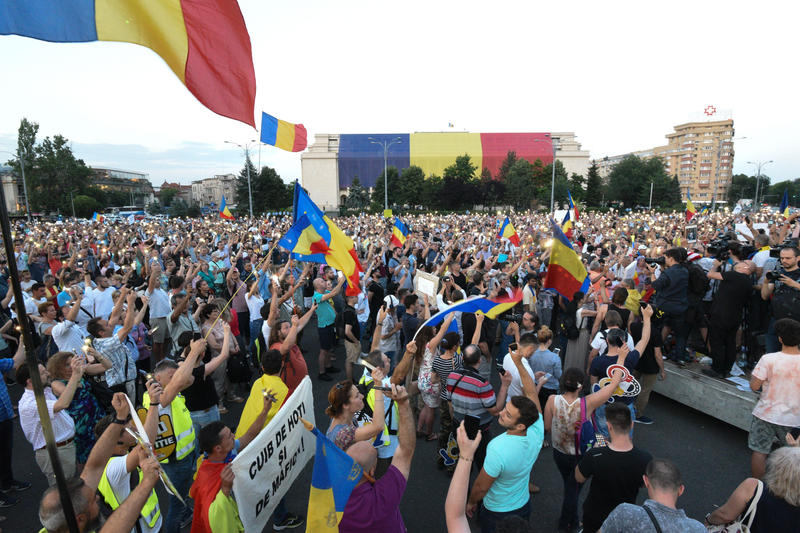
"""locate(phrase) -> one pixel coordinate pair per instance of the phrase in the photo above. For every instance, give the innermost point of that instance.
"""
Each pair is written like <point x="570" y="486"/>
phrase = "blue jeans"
<point x="602" y="425"/>
<point x="771" y="342"/>
<point x="280" y="513"/>
<point x="255" y="331"/>
<point x="489" y="519"/>
<point x="201" y="418"/>
<point x="572" y="489"/>
<point x="180" y="473"/>
<point x="505" y="340"/>
<point x="680" y="332"/>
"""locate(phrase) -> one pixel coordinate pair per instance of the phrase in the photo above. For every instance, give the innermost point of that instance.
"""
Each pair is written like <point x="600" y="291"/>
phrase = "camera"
<point x="720" y="247"/>
<point x="773" y="275"/>
<point x="655" y="261"/>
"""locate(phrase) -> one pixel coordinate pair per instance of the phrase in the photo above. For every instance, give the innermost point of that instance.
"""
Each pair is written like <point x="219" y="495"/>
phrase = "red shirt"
<point x="294" y="368"/>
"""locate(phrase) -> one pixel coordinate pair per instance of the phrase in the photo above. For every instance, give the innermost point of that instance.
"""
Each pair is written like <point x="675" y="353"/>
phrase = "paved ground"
<point x="713" y="458"/>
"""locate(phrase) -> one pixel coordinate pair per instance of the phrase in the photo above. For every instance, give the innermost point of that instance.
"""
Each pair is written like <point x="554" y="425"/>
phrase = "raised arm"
<point x="130" y="315"/>
<point x="65" y="399"/>
<point x="257" y="425"/>
<point x="406" y="436"/>
<point x="182" y="377"/>
<point x="476" y="335"/>
<point x="104" y="447"/>
<point x="529" y="388"/>
<point x="373" y="429"/>
<point x="223" y="353"/>
<point x="647" y="313"/>
<point x="437" y="340"/>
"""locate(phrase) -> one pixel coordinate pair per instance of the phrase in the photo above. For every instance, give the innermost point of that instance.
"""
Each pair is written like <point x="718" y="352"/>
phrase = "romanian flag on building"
<point x="98" y="218"/>
<point x="690" y="210"/>
<point x="224" y="212"/>
<point x="507" y="231"/>
<point x="284" y="135"/>
<point x="399" y="233"/>
<point x="335" y="476"/>
<point x="565" y="271"/>
<point x="784" y="208"/>
<point x="315" y="238"/>
<point x="204" y="42"/>
<point x="491" y="307"/>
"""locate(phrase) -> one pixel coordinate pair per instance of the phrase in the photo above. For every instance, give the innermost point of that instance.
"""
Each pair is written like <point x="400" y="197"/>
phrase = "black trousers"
<point x="6" y="442"/>
<point x="723" y="347"/>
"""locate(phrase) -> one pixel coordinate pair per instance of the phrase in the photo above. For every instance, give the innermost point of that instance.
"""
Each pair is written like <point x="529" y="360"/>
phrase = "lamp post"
<point x="386" y="144"/>
<point x="758" y="165"/>
<point x="554" y="143"/>
<point x="71" y="201"/>
<point x="716" y="178"/>
<point x="21" y="161"/>
<point x="246" y="149"/>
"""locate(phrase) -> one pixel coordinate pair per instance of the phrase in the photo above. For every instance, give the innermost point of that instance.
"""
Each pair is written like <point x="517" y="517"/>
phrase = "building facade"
<point x="332" y="162"/>
<point x="12" y="187"/>
<point x="208" y="192"/>
<point x="700" y="154"/>
<point x="135" y="184"/>
<point x="184" y="191"/>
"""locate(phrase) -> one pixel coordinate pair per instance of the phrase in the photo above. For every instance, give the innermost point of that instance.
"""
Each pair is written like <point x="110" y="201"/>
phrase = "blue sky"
<point x="618" y="74"/>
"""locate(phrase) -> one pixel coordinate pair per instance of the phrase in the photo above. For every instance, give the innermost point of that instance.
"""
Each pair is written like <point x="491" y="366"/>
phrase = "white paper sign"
<point x="272" y="461"/>
<point x="744" y="230"/>
<point x="425" y="283"/>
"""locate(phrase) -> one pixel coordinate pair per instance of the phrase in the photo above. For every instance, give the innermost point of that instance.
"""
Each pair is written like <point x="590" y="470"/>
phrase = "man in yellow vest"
<point x="175" y="443"/>
<point x="123" y="473"/>
<point x="82" y="489"/>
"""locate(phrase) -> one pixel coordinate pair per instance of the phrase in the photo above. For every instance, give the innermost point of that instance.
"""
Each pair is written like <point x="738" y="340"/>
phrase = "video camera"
<point x="655" y="261"/>
<point x="722" y="246"/>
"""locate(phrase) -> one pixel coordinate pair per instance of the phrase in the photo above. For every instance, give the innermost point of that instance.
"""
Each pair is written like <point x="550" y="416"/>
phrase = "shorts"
<point x="162" y="333"/>
<point x="763" y="434"/>
<point x="327" y="339"/>
<point x="352" y="351"/>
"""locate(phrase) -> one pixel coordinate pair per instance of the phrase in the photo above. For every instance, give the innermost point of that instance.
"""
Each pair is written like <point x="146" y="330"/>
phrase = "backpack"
<point x="698" y="280"/>
<point x="785" y="302"/>
<point x="569" y="327"/>
<point x="587" y="436"/>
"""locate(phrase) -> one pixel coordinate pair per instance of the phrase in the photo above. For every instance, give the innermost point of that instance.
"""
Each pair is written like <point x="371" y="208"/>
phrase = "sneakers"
<point x="325" y="377"/>
<point x="6" y="500"/>
<point x="290" y="522"/>
<point x="644" y="420"/>
<point x="331" y="370"/>
<point x="16" y="486"/>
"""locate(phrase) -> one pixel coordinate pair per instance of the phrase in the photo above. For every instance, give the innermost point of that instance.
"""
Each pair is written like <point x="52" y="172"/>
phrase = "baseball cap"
<point x="391" y="301"/>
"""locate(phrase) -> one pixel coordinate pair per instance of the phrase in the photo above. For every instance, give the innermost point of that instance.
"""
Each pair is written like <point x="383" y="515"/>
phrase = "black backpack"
<point x="698" y="280"/>
<point x="569" y="327"/>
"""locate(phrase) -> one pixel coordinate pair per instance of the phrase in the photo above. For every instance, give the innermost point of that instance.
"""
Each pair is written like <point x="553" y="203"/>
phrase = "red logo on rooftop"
<point x="710" y="110"/>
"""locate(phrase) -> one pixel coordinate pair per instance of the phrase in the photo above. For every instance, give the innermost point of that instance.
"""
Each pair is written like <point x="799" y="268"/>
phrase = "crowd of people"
<point x="185" y="317"/>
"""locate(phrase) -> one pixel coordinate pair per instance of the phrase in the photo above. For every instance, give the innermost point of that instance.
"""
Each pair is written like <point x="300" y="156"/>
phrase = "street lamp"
<point x="716" y="179"/>
<point x="24" y="184"/>
<point x="246" y="149"/>
<point x="758" y="165"/>
<point x="554" y="142"/>
<point x="386" y="144"/>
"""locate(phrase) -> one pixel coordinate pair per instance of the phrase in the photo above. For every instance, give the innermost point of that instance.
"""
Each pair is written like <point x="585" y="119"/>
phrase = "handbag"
<point x="587" y="436"/>
<point x="744" y="522"/>
<point x="101" y="392"/>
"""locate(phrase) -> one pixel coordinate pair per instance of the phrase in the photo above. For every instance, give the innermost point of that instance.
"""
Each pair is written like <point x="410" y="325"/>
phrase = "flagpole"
<point x="651" y="197"/>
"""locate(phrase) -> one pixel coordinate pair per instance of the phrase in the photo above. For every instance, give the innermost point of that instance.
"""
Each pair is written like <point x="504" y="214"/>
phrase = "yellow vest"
<point x="150" y="512"/>
<point x="176" y="426"/>
<point x="388" y="417"/>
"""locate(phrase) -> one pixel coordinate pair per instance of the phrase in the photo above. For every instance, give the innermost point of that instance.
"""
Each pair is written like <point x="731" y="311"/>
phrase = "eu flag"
<point x="335" y="476"/>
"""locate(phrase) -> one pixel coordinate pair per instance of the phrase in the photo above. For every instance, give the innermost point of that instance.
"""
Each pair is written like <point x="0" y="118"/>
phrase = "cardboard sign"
<point x="425" y="283"/>
<point x="274" y="459"/>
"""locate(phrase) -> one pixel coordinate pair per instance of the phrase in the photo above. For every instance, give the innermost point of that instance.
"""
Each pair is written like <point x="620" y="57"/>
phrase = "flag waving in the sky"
<point x="507" y="230"/>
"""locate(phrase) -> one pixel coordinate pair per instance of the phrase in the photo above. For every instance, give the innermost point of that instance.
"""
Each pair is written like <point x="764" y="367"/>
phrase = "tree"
<point x="459" y="183"/>
<point x="520" y="183"/>
<point x="166" y="196"/>
<point x="410" y="186"/>
<point x="432" y="189"/>
<point x="744" y="187"/>
<point x="242" y="189"/>
<point x="594" y="187"/>
<point x="54" y="173"/>
<point x="357" y="196"/>
<point x="491" y="191"/>
<point x="560" y="185"/>
<point x="576" y="187"/>
<point x="378" y="191"/>
<point x="505" y="166"/>
<point x="269" y="191"/>
<point x="630" y="179"/>
<point x="85" y="206"/>
<point x="775" y="193"/>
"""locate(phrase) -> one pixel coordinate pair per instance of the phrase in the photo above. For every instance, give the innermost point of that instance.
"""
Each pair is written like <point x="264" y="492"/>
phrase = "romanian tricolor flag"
<point x="565" y="271"/>
<point x="566" y="224"/>
<point x="491" y="307"/>
<point x="224" y="212"/>
<point x="399" y="233"/>
<point x="282" y="134"/>
<point x="98" y="218"/>
<point x="690" y="210"/>
<point x="335" y="476"/>
<point x="204" y="42"/>
<point x="315" y="238"/>
<point x="507" y="231"/>
<point x="572" y="207"/>
<point x="784" y="208"/>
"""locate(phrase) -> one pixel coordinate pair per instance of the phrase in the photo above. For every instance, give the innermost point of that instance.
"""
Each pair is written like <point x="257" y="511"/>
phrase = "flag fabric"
<point x="507" y="231"/>
<point x="399" y="233"/>
<point x="98" y="218"/>
<point x="491" y="307"/>
<point x="784" y="208"/>
<point x="566" y="224"/>
<point x="204" y="42"/>
<point x="224" y="212"/>
<point x="315" y="238"/>
<point x="282" y="134"/>
<point x="572" y="207"/>
<point x="690" y="210"/>
<point x="565" y="271"/>
<point x="131" y="219"/>
<point x="334" y="477"/>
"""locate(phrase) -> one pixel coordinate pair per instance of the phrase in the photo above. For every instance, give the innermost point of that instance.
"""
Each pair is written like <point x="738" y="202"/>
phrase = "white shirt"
<point x="119" y="479"/>
<point x="68" y="336"/>
<point x="254" y="305"/>
<point x="159" y="303"/>
<point x="362" y="307"/>
<point x="31" y="305"/>
<point x="265" y="329"/>
<point x="515" y="389"/>
<point x="103" y="304"/>
<point x="63" y="425"/>
<point x="599" y="343"/>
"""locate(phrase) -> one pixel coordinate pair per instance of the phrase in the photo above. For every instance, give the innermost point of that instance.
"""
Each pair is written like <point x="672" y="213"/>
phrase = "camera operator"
<point x="671" y="286"/>
<point x="729" y="302"/>
<point x="784" y="288"/>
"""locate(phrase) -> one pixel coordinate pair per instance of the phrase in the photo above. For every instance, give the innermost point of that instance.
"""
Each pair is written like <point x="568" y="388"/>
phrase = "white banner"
<point x="272" y="461"/>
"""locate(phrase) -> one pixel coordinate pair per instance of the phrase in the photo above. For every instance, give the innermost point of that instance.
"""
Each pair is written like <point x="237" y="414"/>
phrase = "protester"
<point x="783" y="293"/>
<point x="7" y="481"/>
<point x="283" y="337"/>
<point x="671" y="285"/>
<point x="326" y="317"/>
<point x="345" y="401"/>
<point x="543" y="360"/>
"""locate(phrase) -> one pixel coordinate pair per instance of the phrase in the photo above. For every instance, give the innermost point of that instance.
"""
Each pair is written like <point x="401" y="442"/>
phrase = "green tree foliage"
<point x="521" y="183"/>
<point x="357" y="196"/>
<point x="491" y="191"/>
<point x="744" y="187"/>
<point x="242" y="190"/>
<point x="576" y="187"/>
<point x="56" y="171"/>
<point x="167" y="195"/>
<point x="505" y="166"/>
<point x="629" y="182"/>
<point x="410" y="186"/>
<point x="594" y="187"/>
<point x="459" y="183"/>
<point x="85" y="206"/>
<point x="378" y="190"/>
<point x="560" y="185"/>
<point x="775" y="192"/>
<point x="270" y="193"/>
<point x="432" y="189"/>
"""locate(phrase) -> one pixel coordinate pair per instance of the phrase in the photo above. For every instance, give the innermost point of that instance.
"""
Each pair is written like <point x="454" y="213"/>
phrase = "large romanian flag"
<point x="335" y="476"/>
<point x="507" y="230"/>
<point x="784" y="208"/>
<point x="224" y="212"/>
<point x="204" y="42"/>
<point x="491" y="307"/>
<point x="314" y="237"/>
<point x="690" y="209"/>
<point x="565" y="271"/>
<point x="284" y="135"/>
<point x="399" y="233"/>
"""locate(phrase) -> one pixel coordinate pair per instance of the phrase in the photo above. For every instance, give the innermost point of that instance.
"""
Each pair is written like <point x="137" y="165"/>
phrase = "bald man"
<point x="375" y="505"/>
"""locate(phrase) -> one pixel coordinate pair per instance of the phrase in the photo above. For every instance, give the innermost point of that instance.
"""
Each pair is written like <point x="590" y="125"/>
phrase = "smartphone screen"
<point x="471" y="425"/>
<point x="512" y="347"/>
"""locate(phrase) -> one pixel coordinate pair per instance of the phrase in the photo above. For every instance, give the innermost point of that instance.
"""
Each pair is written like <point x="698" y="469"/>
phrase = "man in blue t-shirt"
<point x="600" y="372"/>
<point x="326" y="317"/>
<point x="502" y="483"/>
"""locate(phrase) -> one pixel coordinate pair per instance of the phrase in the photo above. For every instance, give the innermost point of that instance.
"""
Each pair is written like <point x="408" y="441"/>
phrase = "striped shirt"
<point x="443" y="367"/>
<point x="470" y="394"/>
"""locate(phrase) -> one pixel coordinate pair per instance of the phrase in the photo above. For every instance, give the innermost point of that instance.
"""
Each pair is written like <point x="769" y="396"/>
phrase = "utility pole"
<point x="246" y="149"/>
<point x="386" y="144"/>
<point x="758" y="165"/>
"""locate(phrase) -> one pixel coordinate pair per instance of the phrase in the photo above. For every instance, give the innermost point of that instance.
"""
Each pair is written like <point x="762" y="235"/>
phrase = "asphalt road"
<point x="712" y="456"/>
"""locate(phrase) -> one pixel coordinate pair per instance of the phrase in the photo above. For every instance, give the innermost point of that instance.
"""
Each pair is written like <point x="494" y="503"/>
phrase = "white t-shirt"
<point x="159" y="303"/>
<point x="265" y="329"/>
<point x="515" y="389"/>
<point x="599" y="343"/>
<point x="254" y="305"/>
<point x="31" y="305"/>
<point x="103" y="304"/>
<point x="119" y="479"/>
